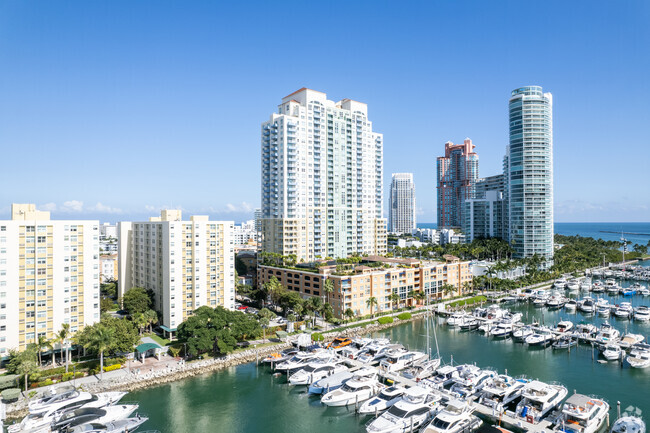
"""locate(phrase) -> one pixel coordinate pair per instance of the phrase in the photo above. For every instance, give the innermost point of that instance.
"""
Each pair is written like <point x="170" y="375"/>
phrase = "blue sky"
<point x="113" y="110"/>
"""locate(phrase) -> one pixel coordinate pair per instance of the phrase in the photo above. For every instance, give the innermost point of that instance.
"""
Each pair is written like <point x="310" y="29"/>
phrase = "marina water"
<point x="248" y="399"/>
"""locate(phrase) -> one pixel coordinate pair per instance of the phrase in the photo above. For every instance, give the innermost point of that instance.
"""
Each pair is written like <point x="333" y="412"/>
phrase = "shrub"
<point x="404" y="316"/>
<point x="174" y="351"/>
<point x="385" y="320"/>
<point x="11" y="394"/>
<point x="8" y="381"/>
<point x="113" y="367"/>
<point x="317" y="336"/>
<point x="46" y="382"/>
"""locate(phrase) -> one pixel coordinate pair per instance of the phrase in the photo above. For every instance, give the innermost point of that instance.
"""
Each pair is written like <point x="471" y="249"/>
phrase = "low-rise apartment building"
<point x="374" y="276"/>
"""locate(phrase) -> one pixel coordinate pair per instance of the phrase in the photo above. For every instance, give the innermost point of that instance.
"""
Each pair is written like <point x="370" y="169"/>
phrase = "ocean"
<point x="635" y="233"/>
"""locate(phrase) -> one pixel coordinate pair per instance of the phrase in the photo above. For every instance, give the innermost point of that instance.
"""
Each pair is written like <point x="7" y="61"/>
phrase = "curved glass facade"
<point x="529" y="170"/>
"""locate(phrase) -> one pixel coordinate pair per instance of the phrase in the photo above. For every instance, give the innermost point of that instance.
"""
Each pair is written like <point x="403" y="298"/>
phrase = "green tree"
<point x="151" y="318"/>
<point x="126" y="335"/>
<point x="105" y="305"/>
<point x="100" y="339"/>
<point x="448" y="289"/>
<point x="23" y="363"/>
<point x="349" y="313"/>
<point x="370" y="303"/>
<point x="136" y="301"/>
<point x="328" y="288"/>
<point x="41" y="343"/>
<point x="273" y="288"/>
<point x="395" y="299"/>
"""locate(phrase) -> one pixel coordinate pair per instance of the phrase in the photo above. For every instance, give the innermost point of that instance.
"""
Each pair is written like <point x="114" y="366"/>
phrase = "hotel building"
<point x="322" y="167"/>
<point x="457" y="172"/>
<point x="375" y="276"/>
<point x="187" y="264"/>
<point x="49" y="275"/>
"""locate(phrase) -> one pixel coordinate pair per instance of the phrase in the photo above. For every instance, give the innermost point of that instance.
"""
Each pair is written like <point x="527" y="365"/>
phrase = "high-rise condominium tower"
<point x="402" y="203"/>
<point x="457" y="174"/>
<point x="529" y="172"/>
<point x="49" y="276"/>
<point x="322" y="168"/>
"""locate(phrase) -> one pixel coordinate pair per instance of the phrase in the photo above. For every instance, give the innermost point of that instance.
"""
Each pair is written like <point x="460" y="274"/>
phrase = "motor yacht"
<point x="501" y="390"/>
<point x="69" y="396"/>
<point x="585" y="331"/>
<point x="541" y="337"/>
<point x="520" y="334"/>
<point x="628" y="424"/>
<point x="470" y="380"/>
<point x="456" y="417"/>
<point x="639" y="356"/>
<point x="349" y="352"/>
<point x="611" y="351"/>
<point x="644" y="292"/>
<point x="121" y="426"/>
<point x="422" y="369"/>
<point x="565" y="342"/>
<point x="630" y="340"/>
<point x="603" y="308"/>
<point x="456" y="319"/>
<point x="315" y="371"/>
<point x="587" y="305"/>
<point x="444" y="377"/>
<point x="468" y="323"/>
<point x="538" y="400"/>
<point x="399" y="360"/>
<point x="382" y="401"/>
<point x="556" y="300"/>
<point x="573" y="285"/>
<point x="585" y="285"/>
<point x="355" y="390"/>
<point x="624" y="310"/>
<point x="582" y="414"/>
<point x="597" y="287"/>
<point x="376" y="352"/>
<point x="299" y="360"/>
<point x="276" y="357"/>
<point x="540" y="302"/>
<point x="410" y="413"/>
<point x="571" y="305"/>
<point x="86" y="415"/>
<point x="564" y="326"/>
<point x="502" y="330"/>
<point x="642" y="313"/>
<point x="330" y="383"/>
<point x="607" y="334"/>
<point x="611" y="286"/>
<point x="560" y="283"/>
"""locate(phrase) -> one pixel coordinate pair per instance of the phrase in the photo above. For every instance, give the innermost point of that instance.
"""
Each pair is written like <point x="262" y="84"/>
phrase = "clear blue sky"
<point x="112" y="109"/>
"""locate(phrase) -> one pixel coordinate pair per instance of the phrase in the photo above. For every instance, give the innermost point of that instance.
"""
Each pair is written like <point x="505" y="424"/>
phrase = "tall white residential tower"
<point x="322" y="168"/>
<point x="49" y="275"/>
<point x="402" y="204"/>
<point x="187" y="264"/>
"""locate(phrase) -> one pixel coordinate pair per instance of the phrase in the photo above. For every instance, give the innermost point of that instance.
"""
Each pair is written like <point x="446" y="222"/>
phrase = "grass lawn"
<point x="162" y="341"/>
<point x="470" y="301"/>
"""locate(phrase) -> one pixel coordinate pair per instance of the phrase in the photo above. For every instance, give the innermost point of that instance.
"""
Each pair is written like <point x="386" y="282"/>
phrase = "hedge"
<point x="317" y="336"/>
<point x="385" y="320"/>
<point x="8" y="381"/>
<point x="404" y="316"/>
<point x="10" y="394"/>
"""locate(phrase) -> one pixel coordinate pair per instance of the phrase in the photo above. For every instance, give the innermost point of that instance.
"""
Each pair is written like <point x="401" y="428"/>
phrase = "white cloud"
<point x="243" y="207"/>
<point x="72" y="206"/>
<point x="99" y="207"/>
<point x="47" y="207"/>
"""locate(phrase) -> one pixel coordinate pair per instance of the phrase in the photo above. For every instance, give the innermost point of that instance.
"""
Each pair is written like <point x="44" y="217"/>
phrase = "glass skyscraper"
<point x="529" y="172"/>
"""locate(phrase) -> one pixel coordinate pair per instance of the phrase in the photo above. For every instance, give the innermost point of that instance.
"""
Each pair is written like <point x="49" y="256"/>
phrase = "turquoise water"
<point x="596" y="230"/>
<point x="248" y="398"/>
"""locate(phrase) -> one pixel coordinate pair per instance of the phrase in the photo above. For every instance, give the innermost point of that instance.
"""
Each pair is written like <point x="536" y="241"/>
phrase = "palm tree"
<point x="139" y="321"/>
<point x="63" y="335"/>
<point x="394" y="298"/>
<point x="349" y="313"/>
<point x="467" y="286"/>
<point x="100" y="340"/>
<point x="41" y="343"/>
<point x="419" y="296"/>
<point x="51" y="344"/>
<point x="448" y="289"/>
<point x="370" y="303"/>
<point x="328" y="288"/>
<point x="151" y="317"/>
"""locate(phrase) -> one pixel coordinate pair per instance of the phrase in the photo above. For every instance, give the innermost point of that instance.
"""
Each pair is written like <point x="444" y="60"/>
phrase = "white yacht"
<point x="456" y="417"/>
<point x="315" y="371"/>
<point x="330" y="383"/>
<point x="399" y="360"/>
<point x="468" y="323"/>
<point x="445" y="376"/>
<point x="359" y="388"/>
<point x="121" y="426"/>
<point x="587" y="305"/>
<point x="501" y="390"/>
<point x="382" y="401"/>
<point x="560" y="283"/>
<point x="556" y="300"/>
<point x="520" y="334"/>
<point x="573" y="285"/>
<point x="410" y="413"/>
<point x="41" y="421"/>
<point x="628" y="424"/>
<point x="639" y="356"/>
<point x="540" y="301"/>
<point x="422" y="369"/>
<point x="585" y="331"/>
<point x="571" y="305"/>
<point x="376" y="352"/>
<point x="502" y="330"/>
<point x="538" y="400"/>
<point x="299" y="360"/>
<point x="642" y="313"/>
<point x="541" y="337"/>
<point x="607" y="334"/>
<point x="69" y="396"/>
<point x="470" y="380"/>
<point x="603" y="308"/>
<point x="95" y="415"/>
<point x="585" y="285"/>
<point x="630" y="340"/>
<point x="624" y="310"/>
<point x="611" y="351"/>
<point x="456" y="319"/>
<point x="582" y="414"/>
<point x="564" y="326"/>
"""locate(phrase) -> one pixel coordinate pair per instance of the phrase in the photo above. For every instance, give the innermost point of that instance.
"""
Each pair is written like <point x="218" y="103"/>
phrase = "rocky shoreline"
<point x="132" y="382"/>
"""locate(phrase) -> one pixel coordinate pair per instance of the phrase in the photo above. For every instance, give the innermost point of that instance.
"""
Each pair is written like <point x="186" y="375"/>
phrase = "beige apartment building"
<point x="187" y="264"/>
<point x="49" y="275"/>
<point x="108" y="267"/>
<point x="375" y="276"/>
